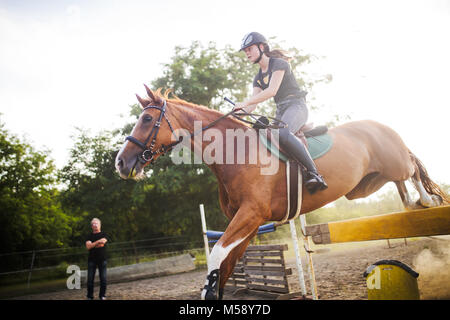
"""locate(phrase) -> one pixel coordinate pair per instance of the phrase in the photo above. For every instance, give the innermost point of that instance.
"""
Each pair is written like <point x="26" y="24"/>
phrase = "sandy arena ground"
<point x="338" y="268"/>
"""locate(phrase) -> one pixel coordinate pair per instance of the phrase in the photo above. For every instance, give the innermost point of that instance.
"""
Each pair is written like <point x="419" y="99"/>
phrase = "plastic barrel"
<point x="391" y="280"/>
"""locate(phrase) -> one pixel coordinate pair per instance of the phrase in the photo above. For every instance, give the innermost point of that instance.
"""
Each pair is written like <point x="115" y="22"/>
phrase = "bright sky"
<point x="67" y="64"/>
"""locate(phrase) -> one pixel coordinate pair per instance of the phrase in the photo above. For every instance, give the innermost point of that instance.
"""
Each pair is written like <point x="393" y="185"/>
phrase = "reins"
<point x="258" y="121"/>
<point x="149" y="154"/>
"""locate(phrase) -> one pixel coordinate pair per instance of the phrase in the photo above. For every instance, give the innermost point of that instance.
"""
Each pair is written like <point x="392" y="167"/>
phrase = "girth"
<point x="293" y="190"/>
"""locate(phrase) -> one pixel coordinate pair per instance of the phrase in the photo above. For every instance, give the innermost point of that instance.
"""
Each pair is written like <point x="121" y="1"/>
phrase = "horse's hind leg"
<point x="408" y="203"/>
<point x="426" y="200"/>
<point x="430" y="193"/>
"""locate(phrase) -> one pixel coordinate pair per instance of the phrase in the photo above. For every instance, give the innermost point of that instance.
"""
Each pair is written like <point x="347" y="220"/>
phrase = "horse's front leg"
<point x="229" y="249"/>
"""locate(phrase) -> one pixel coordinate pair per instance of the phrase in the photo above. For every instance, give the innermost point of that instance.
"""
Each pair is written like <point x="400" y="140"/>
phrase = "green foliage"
<point x="205" y="75"/>
<point x="29" y="216"/>
<point x="34" y="214"/>
<point x="348" y="209"/>
<point x="93" y="189"/>
<point x="164" y="203"/>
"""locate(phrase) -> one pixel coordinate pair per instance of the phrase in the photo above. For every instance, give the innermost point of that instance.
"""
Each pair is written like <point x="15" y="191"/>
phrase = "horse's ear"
<point x="142" y="101"/>
<point x="149" y="92"/>
<point x="156" y="99"/>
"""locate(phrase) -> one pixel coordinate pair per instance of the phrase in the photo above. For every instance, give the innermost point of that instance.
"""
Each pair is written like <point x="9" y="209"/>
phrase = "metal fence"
<point x="20" y="270"/>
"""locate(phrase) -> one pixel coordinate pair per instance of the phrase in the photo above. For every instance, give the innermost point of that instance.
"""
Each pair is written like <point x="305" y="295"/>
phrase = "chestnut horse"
<point x="365" y="155"/>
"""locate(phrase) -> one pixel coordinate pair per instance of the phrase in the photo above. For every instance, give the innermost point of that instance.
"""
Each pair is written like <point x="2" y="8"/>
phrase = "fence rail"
<point x="26" y="267"/>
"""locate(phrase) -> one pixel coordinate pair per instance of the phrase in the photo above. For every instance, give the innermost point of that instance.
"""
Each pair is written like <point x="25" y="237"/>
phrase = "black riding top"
<point x="97" y="254"/>
<point x="288" y="87"/>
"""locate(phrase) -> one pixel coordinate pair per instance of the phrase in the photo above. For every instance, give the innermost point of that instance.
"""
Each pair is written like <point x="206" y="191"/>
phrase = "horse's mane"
<point x="170" y="97"/>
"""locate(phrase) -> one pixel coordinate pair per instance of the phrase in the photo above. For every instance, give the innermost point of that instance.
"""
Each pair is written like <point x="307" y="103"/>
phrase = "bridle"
<point x="149" y="154"/>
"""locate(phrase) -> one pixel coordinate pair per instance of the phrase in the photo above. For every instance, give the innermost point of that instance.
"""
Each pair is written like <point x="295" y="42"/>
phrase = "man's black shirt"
<point x="97" y="254"/>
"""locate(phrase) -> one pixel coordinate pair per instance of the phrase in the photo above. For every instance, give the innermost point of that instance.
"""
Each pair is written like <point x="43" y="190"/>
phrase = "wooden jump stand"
<point x="244" y="272"/>
<point x="406" y="224"/>
<point x="261" y="271"/>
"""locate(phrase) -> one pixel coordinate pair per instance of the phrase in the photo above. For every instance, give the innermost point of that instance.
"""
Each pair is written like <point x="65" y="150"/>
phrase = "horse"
<point x="364" y="156"/>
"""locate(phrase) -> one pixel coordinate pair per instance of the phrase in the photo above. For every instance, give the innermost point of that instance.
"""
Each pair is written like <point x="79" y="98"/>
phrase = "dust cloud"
<point x="433" y="266"/>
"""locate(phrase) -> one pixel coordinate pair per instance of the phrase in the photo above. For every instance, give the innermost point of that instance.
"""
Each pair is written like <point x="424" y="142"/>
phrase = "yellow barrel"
<point x="391" y="280"/>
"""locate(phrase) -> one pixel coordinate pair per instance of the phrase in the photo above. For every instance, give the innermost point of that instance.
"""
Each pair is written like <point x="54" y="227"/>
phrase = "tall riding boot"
<point x="298" y="151"/>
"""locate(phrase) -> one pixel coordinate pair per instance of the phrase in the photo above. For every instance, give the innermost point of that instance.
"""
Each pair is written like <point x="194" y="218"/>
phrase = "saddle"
<point x="308" y="131"/>
<point x="316" y="140"/>
<point x="318" y="143"/>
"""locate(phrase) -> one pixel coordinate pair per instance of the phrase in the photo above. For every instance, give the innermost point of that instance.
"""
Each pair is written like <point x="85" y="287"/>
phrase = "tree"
<point x="205" y="75"/>
<point x="30" y="216"/>
<point x="93" y="189"/>
<point x="173" y="194"/>
<point x="166" y="202"/>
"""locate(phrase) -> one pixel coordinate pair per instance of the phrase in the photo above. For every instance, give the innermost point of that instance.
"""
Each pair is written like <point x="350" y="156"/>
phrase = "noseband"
<point x="148" y="153"/>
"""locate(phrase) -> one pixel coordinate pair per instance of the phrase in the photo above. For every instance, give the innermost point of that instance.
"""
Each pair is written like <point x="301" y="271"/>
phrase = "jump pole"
<point x="406" y="224"/>
<point x="204" y="230"/>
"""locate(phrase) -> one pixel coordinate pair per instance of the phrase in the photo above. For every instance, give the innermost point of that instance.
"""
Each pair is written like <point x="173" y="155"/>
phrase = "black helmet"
<point x="251" y="39"/>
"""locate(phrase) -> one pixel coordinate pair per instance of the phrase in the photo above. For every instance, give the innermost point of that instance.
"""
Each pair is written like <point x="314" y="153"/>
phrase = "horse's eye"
<point x="147" y="118"/>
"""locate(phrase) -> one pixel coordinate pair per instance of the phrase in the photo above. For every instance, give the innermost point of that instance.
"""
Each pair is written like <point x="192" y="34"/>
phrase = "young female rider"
<point x="276" y="79"/>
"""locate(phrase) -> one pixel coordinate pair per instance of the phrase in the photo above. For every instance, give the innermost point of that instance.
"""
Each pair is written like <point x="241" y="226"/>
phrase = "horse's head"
<point x="150" y="137"/>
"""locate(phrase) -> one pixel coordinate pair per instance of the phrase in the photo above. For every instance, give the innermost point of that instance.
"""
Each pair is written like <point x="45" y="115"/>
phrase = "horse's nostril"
<point x="119" y="163"/>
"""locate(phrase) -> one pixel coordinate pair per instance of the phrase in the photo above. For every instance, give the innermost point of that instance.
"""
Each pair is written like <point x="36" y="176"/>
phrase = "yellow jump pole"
<point x="415" y="223"/>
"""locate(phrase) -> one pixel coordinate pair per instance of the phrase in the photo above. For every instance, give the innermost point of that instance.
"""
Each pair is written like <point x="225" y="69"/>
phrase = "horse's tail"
<point x="430" y="186"/>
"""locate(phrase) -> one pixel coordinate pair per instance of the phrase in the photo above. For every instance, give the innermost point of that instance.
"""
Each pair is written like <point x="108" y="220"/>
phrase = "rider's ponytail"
<point x="276" y="53"/>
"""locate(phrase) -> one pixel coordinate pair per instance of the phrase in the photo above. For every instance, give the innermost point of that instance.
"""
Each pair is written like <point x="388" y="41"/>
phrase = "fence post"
<point x="31" y="269"/>
<point x="308" y="251"/>
<point x="204" y="230"/>
<point x="298" y="258"/>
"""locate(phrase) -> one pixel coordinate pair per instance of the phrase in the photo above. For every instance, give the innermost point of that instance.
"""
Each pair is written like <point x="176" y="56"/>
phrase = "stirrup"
<point x="315" y="182"/>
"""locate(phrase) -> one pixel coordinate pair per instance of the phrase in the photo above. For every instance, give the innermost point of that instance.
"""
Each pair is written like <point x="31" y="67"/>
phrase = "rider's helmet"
<point x="251" y="39"/>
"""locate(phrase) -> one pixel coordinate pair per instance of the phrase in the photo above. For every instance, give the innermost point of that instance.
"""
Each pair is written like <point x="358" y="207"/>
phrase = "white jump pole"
<point x="205" y="237"/>
<point x="298" y="258"/>
<point x="308" y="251"/>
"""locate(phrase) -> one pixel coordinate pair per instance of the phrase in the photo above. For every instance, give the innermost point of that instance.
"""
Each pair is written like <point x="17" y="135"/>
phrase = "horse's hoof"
<point x="433" y="201"/>
<point x="211" y="290"/>
<point x="419" y="205"/>
<point x="210" y="295"/>
<point x="437" y="199"/>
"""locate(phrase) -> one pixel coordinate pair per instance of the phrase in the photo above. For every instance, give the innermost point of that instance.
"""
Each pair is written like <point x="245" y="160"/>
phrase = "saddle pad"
<point x="317" y="146"/>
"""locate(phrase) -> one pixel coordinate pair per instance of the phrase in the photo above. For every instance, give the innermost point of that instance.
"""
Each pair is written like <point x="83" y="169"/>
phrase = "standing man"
<point x="97" y="259"/>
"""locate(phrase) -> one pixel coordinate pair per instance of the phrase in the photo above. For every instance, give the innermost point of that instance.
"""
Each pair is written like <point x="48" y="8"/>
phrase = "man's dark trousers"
<point x="92" y="267"/>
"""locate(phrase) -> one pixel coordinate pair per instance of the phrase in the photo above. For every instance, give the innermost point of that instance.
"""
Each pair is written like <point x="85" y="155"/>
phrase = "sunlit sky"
<point x="67" y="64"/>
